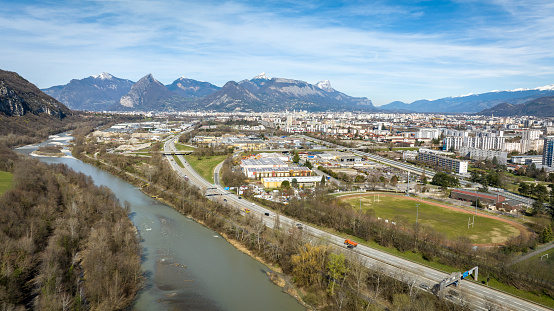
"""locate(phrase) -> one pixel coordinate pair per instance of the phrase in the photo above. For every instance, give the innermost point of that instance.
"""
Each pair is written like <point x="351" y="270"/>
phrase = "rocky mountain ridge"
<point x="94" y="93"/>
<point x="19" y="97"/>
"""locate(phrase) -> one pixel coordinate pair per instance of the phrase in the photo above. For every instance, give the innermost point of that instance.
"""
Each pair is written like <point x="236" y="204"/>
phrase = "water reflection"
<point x="188" y="266"/>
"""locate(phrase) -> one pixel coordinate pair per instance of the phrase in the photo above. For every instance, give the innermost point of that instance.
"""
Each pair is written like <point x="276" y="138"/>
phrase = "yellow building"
<point x="306" y="181"/>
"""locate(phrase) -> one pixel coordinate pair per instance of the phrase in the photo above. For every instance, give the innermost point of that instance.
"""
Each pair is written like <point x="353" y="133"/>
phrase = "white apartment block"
<point x="531" y="134"/>
<point x="482" y="154"/>
<point x="453" y="142"/>
<point x="428" y="133"/>
<point x="490" y="143"/>
<point x="455" y="133"/>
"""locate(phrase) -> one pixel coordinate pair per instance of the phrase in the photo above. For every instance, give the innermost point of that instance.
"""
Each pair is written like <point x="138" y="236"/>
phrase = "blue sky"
<point x="383" y="50"/>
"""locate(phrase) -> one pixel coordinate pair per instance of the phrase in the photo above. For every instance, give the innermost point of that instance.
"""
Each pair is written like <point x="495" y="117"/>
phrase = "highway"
<point x="418" y="170"/>
<point x="477" y="296"/>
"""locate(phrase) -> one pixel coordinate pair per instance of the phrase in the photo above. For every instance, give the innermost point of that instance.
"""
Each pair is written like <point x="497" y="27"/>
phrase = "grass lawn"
<point x="6" y="181"/>
<point x="205" y="166"/>
<point x="452" y="223"/>
<point x="176" y="158"/>
<point x="182" y="147"/>
<point x="537" y="258"/>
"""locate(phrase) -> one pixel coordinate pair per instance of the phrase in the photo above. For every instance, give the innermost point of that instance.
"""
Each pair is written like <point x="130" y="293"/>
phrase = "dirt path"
<point x="522" y="229"/>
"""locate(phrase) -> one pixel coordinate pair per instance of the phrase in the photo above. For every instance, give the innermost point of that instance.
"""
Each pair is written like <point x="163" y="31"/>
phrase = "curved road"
<point x="477" y="296"/>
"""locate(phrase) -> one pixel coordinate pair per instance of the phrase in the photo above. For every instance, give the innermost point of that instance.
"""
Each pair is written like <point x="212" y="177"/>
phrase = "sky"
<point x="383" y="50"/>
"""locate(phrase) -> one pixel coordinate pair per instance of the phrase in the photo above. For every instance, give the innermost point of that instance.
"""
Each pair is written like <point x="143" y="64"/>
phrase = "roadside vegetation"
<point x="318" y="273"/>
<point x="523" y="281"/>
<point x="205" y="165"/>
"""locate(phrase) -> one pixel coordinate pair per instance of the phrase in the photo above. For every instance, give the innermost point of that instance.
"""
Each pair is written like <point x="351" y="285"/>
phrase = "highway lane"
<point x="477" y="296"/>
<point x="417" y="170"/>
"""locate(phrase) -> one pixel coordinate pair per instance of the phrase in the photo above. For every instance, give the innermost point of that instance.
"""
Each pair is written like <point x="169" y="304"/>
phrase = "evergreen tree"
<point x="296" y="158"/>
<point x="546" y="234"/>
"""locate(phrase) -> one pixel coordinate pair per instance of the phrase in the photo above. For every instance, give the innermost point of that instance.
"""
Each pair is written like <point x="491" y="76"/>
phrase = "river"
<point x="187" y="266"/>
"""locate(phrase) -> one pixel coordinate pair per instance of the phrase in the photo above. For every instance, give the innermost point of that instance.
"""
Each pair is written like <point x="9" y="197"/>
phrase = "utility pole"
<point x="408" y="187"/>
<point x="417" y="214"/>
<point x="416" y="227"/>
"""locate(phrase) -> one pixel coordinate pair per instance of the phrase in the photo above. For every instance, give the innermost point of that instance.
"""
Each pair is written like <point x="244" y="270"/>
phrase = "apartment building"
<point x="548" y="151"/>
<point x="483" y="154"/>
<point x="441" y="160"/>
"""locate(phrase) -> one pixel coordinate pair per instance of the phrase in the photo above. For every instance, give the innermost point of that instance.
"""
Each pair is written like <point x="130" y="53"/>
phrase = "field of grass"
<point x="537" y="258"/>
<point x="452" y="223"/>
<point x="205" y="166"/>
<point x="544" y="299"/>
<point x="182" y="147"/>
<point x="6" y="181"/>
<point x="176" y="158"/>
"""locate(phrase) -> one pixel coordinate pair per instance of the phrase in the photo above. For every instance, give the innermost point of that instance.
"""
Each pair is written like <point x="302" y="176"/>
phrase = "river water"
<point x="188" y="267"/>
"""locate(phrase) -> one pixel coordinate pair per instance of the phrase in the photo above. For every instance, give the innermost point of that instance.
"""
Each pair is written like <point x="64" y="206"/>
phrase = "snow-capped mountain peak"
<point x="546" y="88"/>
<point x="103" y="76"/>
<point x="324" y="85"/>
<point x="261" y="76"/>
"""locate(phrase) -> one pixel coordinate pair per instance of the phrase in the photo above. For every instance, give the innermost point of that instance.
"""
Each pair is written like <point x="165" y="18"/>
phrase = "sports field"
<point x="446" y="220"/>
<point x="6" y="181"/>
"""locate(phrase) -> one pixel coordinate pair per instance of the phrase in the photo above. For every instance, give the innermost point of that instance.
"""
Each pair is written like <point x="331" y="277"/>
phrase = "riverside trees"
<point x="63" y="242"/>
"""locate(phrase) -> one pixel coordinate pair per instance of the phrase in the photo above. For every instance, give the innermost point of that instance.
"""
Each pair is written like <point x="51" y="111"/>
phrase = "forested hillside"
<point x="65" y="244"/>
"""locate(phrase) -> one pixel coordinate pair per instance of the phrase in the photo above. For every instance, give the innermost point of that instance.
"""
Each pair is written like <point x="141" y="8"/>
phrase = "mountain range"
<point x="540" y="107"/>
<point x="94" y="93"/>
<point x="106" y="92"/>
<point x="472" y="103"/>
<point x="19" y="97"/>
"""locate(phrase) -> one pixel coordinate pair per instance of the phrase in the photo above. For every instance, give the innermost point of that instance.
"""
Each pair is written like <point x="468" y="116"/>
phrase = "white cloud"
<point x="232" y="41"/>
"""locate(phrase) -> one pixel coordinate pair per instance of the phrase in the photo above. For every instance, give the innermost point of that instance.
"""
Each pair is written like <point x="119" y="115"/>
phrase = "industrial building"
<point x="472" y="196"/>
<point x="275" y="182"/>
<point x="289" y="171"/>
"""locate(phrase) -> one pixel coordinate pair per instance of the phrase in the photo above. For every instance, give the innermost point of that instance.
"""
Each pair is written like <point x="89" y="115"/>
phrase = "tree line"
<point x="329" y="282"/>
<point x="63" y="241"/>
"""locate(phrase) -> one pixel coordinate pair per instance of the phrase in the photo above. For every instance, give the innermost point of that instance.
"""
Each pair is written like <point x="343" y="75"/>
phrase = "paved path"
<point x="533" y="253"/>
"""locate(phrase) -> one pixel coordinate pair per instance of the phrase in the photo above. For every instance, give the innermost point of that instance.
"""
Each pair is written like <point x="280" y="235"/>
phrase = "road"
<point x="417" y="170"/>
<point x="476" y="295"/>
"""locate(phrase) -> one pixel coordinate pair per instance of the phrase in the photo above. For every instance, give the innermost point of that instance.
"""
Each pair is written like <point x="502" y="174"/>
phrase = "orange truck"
<point x="350" y="243"/>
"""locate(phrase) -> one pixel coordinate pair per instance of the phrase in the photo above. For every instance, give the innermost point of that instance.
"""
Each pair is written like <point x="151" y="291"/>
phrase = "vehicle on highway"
<point x="350" y="243"/>
<point x="267" y="214"/>
<point x="299" y="226"/>
<point x="240" y="197"/>
<point x="424" y="286"/>
<point x="247" y="210"/>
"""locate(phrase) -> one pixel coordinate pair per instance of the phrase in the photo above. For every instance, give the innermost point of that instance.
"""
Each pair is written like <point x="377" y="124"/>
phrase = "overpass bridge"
<point x="178" y="152"/>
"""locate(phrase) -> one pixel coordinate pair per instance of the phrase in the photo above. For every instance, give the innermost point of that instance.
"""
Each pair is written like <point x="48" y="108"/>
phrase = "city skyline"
<point x="385" y="51"/>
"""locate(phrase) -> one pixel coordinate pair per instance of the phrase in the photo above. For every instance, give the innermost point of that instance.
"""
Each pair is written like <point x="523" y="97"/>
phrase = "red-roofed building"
<point x="472" y="196"/>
